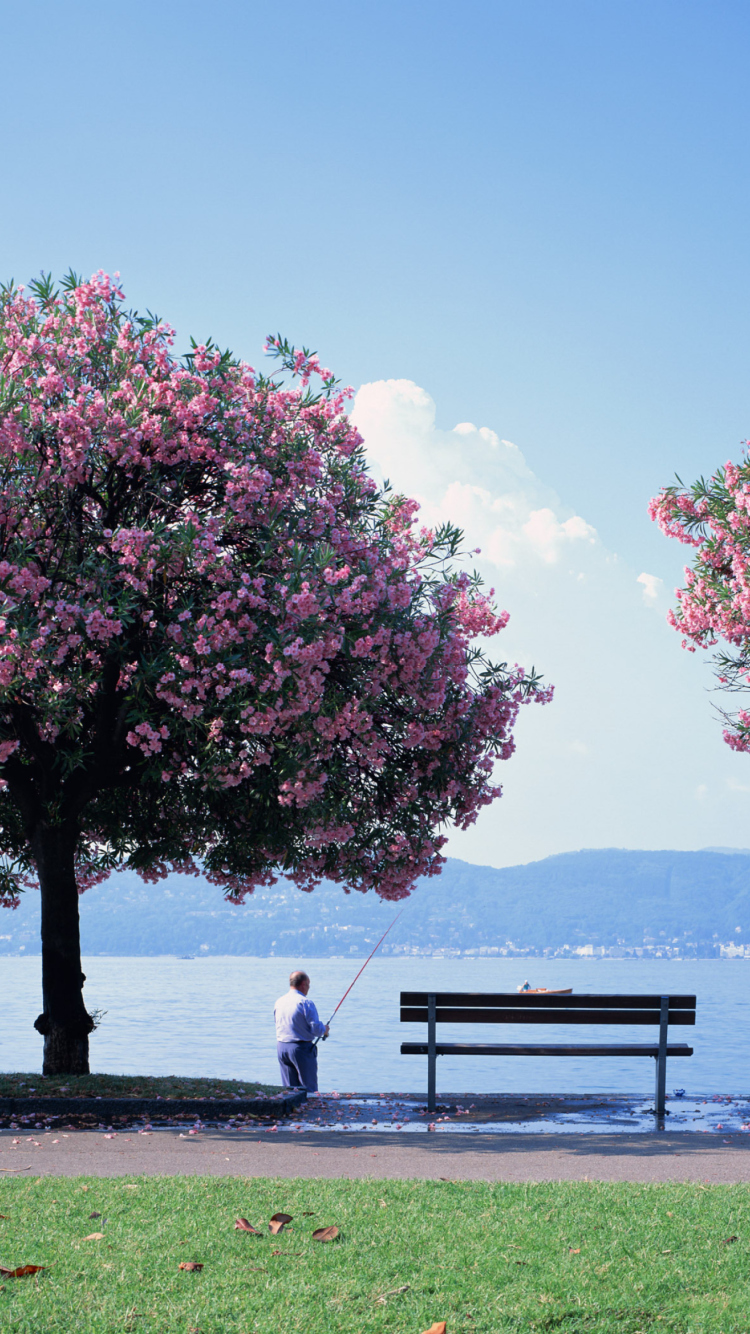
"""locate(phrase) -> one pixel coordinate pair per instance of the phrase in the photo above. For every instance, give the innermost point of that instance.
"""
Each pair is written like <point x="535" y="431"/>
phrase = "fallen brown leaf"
<point x="94" y="1236"/>
<point x="325" y="1234"/>
<point x="95" y="1215"/>
<point x="728" y="1240"/>
<point x="286" y="1253"/>
<point x="191" y="1265"/>
<point x="23" y="1271"/>
<point x="308" y="1213"/>
<point x="278" y="1223"/>
<point x="242" y="1225"/>
<point x="574" y="1250"/>
<point x="437" y="1328"/>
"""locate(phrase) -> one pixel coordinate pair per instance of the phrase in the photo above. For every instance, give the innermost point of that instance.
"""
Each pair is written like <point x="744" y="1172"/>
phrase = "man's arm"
<point x="317" y="1027"/>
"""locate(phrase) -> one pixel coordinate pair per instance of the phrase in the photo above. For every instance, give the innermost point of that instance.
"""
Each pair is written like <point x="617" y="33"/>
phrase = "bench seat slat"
<point x="448" y="1015"/>
<point x="507" y="1000"/>
<point x="545" y="1049"/>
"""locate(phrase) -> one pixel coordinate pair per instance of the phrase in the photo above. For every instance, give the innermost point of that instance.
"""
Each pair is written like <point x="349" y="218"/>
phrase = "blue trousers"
<point x="298" y="1062"/>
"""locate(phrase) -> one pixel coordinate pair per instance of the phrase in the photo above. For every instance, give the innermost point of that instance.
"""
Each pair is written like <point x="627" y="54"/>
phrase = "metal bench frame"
<point x="434" y="1007"/>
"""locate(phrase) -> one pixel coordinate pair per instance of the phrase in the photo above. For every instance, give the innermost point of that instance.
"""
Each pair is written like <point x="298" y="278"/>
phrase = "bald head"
<point x="300" y="981"/>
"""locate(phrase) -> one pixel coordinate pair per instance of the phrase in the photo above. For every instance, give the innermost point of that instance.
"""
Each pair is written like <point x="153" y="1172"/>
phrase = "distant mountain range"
<point x="600" y="901"/>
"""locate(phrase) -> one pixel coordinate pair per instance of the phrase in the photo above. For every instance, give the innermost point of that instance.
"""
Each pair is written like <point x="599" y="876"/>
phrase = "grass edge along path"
<point x="576" y="1257"/>
<point x="21" y="1085"/>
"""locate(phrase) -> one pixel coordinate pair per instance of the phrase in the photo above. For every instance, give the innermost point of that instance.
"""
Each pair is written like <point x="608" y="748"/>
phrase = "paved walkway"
<point x="509" y="1157"/>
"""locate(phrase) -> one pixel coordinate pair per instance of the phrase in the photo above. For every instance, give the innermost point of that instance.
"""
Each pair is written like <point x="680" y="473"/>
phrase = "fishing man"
<point x="297" y="1023"/>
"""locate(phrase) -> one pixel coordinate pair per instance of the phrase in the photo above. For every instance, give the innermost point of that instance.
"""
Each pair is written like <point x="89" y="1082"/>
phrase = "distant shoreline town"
<point x="703" y="950"/>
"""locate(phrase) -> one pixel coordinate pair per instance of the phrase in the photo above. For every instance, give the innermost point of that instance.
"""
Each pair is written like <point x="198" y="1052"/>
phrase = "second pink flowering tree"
<point x="220" y="646"/>
<point x="713" y="609"/>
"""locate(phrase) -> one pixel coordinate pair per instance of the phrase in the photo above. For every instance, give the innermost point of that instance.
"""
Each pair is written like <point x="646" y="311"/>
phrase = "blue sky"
<point x="536" y="214"/>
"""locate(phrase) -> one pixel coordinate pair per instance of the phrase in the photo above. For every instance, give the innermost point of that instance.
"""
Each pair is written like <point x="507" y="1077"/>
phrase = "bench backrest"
<point x="512" y="1007"/>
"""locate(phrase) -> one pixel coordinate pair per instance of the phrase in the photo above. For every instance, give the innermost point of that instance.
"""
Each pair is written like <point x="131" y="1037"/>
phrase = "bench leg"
<point x="431" y="1053"/>
<point x="660" y="1090"/>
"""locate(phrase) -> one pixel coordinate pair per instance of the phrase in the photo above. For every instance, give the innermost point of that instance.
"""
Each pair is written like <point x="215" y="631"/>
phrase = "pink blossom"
<point x="208" y="611"/>
<point x="713" y="518"/>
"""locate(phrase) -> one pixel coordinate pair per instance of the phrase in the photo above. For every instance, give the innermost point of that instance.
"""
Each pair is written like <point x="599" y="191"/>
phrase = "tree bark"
<point x="64" y="1021"/>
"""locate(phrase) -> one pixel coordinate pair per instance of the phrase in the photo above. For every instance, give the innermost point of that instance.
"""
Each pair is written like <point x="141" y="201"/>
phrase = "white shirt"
<point x="296" y="1018"/>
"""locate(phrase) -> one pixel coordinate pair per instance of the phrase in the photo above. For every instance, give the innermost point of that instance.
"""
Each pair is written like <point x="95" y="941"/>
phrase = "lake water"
<point x="214" y="1017"/>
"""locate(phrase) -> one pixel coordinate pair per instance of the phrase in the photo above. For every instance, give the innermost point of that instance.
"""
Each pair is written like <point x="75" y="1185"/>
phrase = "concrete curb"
<point x="106" y="1108"/>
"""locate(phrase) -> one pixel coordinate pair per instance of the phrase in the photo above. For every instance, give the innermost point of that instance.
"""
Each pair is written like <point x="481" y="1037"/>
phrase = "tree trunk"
<point x="64" y="1022"/>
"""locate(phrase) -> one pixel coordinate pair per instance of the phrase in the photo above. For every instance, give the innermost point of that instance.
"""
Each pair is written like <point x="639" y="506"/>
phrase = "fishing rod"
<point x="359" y="974"/>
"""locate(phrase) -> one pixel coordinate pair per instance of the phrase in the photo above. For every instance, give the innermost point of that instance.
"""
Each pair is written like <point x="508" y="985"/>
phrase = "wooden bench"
<point x="459" y="1007"/>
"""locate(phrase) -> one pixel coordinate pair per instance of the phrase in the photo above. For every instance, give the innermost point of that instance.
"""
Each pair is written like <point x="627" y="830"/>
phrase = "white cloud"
<point x="547" y="535"/>
<point x="627" y="699"/>
<point x="652" y="587"/>
<point x="468" y="475"/>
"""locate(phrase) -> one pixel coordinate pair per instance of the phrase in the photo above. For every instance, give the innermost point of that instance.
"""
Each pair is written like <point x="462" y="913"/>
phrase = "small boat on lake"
<point x="526" y="990"/>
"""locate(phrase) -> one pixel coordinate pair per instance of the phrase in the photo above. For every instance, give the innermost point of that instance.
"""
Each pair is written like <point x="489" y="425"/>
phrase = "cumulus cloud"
<point x="652" y="587"/>
<point x="629" y="751"/>
<point x="468" y="475"/>
<point x="547" y="535"/>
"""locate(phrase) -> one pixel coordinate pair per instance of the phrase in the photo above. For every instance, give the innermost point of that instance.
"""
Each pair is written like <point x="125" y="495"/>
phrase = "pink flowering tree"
<point x="713" y="517"/>
<point x="221" y="647"/>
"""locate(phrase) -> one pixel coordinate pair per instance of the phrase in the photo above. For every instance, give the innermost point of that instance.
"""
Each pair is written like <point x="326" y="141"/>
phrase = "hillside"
<point x="621" y="901"/>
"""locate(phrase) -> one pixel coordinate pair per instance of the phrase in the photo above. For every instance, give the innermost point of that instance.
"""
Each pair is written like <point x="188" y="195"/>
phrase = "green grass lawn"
<point x="127" y="1086"/>
<point x="553" y="1257"/>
